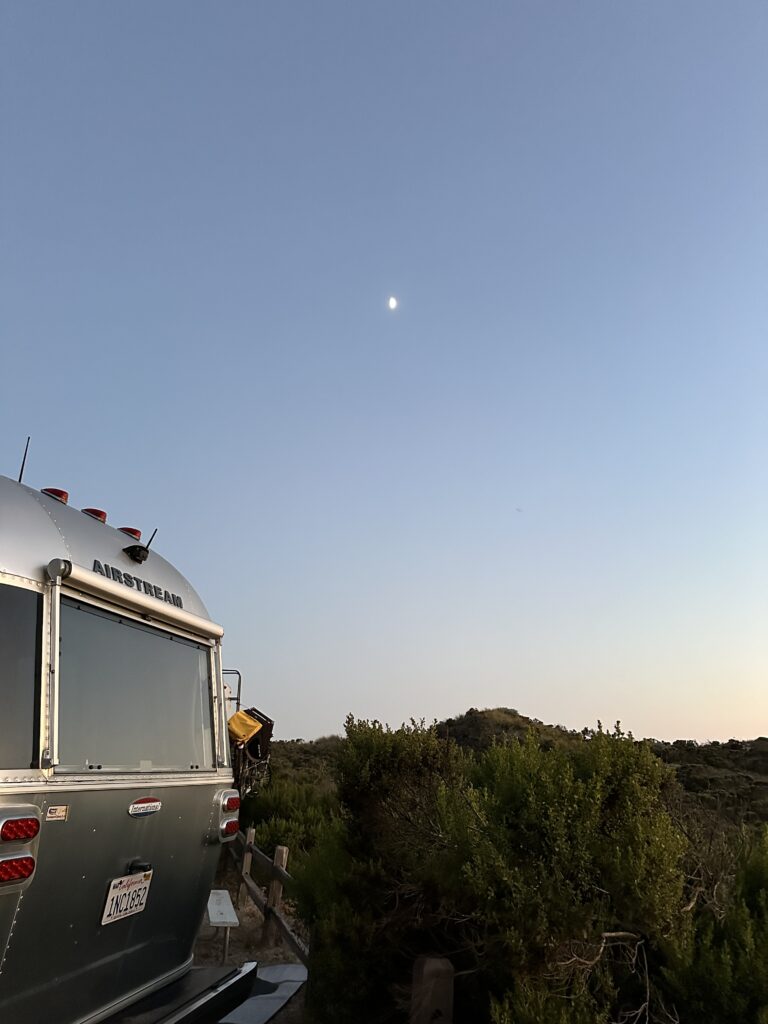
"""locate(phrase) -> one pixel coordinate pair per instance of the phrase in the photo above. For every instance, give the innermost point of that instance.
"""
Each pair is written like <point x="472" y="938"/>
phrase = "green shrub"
<point x="720" y="974"/>
<point x="513" y="862"/>
<point x="568" y="883"/>
<point x="292" y="814"/>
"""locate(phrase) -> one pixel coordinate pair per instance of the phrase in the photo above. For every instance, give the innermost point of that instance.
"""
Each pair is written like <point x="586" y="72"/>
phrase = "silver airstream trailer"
<point x="115" y="785"/>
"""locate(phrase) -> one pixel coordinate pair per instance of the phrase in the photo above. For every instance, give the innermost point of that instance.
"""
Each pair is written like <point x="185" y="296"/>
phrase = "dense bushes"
<point x="568" y="884"/>
<point x="513" y="862"/>
<point x="720" y="973"/>
<point x="294" y="814"/>
<point x="300" y="803"/>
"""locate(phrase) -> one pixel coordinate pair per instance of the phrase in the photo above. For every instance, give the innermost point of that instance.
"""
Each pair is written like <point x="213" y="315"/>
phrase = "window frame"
<point x="28" y="774"/>
<point x="44" y="772"/>
<point x="59" y="589"/>
<point x="118" y="617"/>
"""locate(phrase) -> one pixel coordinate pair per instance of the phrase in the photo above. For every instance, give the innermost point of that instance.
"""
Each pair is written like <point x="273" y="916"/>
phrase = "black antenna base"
<point x="138" y="552"/>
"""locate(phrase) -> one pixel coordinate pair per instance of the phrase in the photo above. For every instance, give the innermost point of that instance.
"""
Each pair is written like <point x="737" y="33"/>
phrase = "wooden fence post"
<point x="250" y="835"/>
<point x="270" y="933"/>
<point x="432" y="992"/>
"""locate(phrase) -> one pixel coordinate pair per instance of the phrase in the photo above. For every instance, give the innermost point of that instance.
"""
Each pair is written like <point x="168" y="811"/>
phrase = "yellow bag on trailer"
<point x="242" y="727"/>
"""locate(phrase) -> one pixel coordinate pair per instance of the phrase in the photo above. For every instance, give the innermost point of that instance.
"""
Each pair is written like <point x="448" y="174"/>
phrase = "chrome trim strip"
<point x="53" y="675"/>
<point x="12" y="779"/>
<point x="222" y="738"/>
<point x="45" y="730"/>
<point x="132" y="614"/>
<point x="155" y="782"/>
<point x="213" y="699"/>
<point x="21" y="581"/>
<point x="151" y="607"/>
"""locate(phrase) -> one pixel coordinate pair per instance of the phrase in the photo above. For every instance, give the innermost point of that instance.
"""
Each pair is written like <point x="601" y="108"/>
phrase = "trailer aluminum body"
<point x="114" y="765"/>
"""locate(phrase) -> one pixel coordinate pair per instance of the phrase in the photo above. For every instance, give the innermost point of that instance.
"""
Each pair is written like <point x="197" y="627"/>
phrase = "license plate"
<point x="126" y="896"/>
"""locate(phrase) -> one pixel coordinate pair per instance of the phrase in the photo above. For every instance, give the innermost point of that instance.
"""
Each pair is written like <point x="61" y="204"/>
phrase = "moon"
<point x="392" y="302"/>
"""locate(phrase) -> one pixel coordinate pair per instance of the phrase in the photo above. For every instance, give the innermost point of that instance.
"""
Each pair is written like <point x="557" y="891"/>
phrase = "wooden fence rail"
<point x="433" y="977"/>
<point x="270" y="904"/>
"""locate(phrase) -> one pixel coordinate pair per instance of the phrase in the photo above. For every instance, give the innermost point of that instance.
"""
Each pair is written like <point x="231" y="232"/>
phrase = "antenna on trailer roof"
<point x="139" y="552"/>
<point x="24" y="460"/>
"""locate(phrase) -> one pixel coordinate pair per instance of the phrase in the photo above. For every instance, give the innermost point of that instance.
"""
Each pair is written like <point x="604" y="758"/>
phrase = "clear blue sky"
<point x="542" y="481"/>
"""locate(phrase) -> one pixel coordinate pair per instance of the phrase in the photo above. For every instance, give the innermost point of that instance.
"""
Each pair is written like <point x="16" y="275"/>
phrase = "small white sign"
<point x="221" y="913"/>
<point x="58" y="813"/>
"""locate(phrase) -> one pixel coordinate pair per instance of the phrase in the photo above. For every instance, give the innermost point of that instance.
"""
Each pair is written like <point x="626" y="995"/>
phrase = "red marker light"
<point x="231" y="827"/>
<point x="232" y="803"/>
<point x="96" y="513"/>
<point x="136" y="534"/>
<point x="57" y="493"/>
<point x="16" y="869"/>
<point x="19" y="830"/>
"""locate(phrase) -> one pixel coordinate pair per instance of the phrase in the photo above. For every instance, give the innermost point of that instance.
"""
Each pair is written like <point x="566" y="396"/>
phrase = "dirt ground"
<point x="245" y="941"/>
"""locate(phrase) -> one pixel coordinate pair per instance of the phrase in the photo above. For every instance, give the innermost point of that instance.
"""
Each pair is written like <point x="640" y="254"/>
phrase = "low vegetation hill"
<point x="305" y="760"/>
<point x="730" y="777"/>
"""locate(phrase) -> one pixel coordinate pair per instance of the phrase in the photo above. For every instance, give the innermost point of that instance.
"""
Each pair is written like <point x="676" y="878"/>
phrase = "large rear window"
<point x="20" y="631"/>
<point x="131" y="698"/>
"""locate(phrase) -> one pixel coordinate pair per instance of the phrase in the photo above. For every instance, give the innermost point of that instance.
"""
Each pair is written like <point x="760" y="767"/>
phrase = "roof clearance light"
<point x="131" y="531"/>
<point x="232" y="803"/>
<point x="231" y="827"/>
<point x="19" y="830"/>
<point x="16" y="869"/>
<point x="57" y="493"/>
<point x="96" y="513"/>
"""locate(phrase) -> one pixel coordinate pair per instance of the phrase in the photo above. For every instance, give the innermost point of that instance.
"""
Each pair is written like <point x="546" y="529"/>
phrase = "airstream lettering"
<point x="132" y="580"/>
<point x="115" y="779"/>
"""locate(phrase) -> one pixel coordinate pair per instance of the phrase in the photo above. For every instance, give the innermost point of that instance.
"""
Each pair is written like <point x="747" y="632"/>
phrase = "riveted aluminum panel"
<point x="61" y="964"/>
<point x="35" y="528"/>
<point x="57" y="961"/>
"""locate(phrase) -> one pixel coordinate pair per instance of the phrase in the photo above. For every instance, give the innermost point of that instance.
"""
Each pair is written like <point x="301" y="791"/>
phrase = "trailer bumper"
<point x="203" y="996"/>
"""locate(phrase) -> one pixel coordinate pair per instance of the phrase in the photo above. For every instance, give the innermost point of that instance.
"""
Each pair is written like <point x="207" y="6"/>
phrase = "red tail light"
<point x="57" y="493"/>
<point x="131" y="531"/>
<point x="16" y="869"/>
<point x="96" y="513"/>
<point x="228" y="804"/>
<point x="19" y="830"/>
